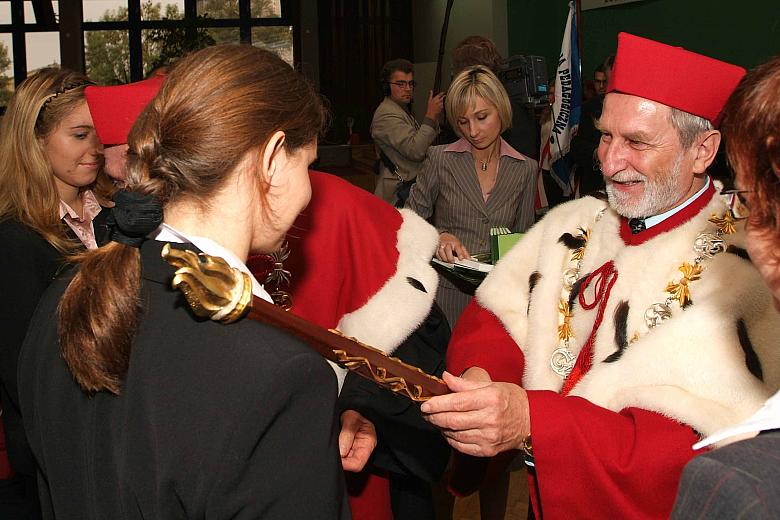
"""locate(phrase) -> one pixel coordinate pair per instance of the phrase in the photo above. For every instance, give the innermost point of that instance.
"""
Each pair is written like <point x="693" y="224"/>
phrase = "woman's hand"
<point x="450" y="248"/>
<point x="357" y="440"/>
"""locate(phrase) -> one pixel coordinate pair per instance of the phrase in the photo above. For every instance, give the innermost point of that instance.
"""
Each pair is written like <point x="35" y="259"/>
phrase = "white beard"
<point x="659" y="194"/>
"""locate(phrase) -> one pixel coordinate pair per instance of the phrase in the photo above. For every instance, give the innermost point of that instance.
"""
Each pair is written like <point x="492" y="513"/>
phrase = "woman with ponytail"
<point x="52" y="189"/>
<point x="136" y="408"/>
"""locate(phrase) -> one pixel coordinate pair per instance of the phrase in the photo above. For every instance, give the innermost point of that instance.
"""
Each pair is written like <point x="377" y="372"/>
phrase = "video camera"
<point x="525" y="80"/>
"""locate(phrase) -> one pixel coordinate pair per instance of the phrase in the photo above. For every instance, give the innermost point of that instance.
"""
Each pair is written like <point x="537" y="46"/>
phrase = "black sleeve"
<point x="406" y="444"/>
<point x="27" y="265"/>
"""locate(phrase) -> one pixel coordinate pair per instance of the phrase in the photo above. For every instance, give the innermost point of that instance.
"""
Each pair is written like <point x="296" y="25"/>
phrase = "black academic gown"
<point x="213" y="421"/>
<point x="28" y="264"/>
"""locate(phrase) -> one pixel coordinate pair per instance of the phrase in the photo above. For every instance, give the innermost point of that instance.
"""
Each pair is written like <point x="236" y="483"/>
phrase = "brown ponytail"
<point x="215" y="106"/>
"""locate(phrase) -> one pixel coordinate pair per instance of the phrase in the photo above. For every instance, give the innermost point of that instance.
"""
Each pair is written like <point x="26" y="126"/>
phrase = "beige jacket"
<point x="403" y="140"/>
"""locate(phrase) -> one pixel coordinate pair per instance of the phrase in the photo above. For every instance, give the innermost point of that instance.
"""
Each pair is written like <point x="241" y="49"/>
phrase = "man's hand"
<point x="450" y="247"/>
<point x="357" y="440"/>
<point x="435" y="105"/>
<point x="480" y="418"/>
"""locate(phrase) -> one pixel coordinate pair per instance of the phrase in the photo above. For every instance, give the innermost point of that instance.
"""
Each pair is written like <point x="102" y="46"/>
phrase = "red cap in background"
<point x="115" y="108"/>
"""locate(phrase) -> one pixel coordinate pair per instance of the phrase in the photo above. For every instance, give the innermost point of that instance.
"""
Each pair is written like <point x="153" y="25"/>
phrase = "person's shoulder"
<point x="386" y="107"/>
<point x="12" y="229"/>
<point x="21" y="243"/>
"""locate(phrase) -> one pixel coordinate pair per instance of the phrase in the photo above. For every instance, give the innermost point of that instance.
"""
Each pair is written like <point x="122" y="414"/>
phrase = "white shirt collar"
<point x="657" y="219"/>
<point x="166" y="233"/>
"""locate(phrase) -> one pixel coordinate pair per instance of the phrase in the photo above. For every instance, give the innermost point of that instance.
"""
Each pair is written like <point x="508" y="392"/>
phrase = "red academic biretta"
<point x="115" y="108"/>
<point x="676" y="77"/>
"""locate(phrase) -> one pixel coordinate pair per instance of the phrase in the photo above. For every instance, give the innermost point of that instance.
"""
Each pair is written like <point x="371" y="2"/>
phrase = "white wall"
<point x="468" y="17"/>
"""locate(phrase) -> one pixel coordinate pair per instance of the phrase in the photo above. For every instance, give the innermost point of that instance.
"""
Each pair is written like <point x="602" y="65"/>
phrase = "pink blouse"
<point x="82" y="226"/>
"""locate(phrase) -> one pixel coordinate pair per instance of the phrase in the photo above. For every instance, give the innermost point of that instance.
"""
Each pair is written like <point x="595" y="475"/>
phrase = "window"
<point x="125" y="40"/>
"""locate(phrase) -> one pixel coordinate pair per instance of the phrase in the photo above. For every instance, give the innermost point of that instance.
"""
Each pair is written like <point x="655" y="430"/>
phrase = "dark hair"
<point x="184" y="146"/>
<point x="609" y="63"/>
<point x="392" y="66"/>
<point x="600" y="68"/>
<point x="751" y="131"/>
<point x="477" y="50"/>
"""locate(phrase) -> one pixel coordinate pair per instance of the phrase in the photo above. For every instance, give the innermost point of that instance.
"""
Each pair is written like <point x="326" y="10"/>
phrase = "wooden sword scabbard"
<point x="217" y="291"/>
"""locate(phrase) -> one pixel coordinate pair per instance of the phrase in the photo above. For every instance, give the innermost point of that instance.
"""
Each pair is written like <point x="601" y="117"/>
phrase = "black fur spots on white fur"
<point x="740" y="252"/>
<point x="532" y="281"/>
<point x="621" y="332"/>
<point x="416" y="284"/>
<point x="571" y="241"/>
<point x="751" y="358"/>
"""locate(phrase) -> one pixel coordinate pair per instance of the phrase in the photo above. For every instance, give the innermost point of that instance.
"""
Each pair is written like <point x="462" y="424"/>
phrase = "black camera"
<point x="525" y="79"/>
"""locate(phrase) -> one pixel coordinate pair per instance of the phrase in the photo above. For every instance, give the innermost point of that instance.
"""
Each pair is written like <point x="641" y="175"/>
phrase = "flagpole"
<point x="578" y="14"/>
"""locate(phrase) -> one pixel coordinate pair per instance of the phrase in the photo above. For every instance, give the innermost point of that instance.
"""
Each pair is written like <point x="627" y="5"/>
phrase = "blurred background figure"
<point x="51" y="206"/>
<point x="586" y="142"/>
<point x="400" y="140"/>
<point x="742" y="480"/>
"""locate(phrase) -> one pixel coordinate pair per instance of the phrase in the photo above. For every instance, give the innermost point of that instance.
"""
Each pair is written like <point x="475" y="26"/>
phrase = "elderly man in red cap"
<point x="618" y="332"/>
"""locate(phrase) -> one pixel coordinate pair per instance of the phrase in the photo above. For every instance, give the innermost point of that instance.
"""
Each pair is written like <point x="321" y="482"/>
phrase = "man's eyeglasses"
<point x="404" y="84"/>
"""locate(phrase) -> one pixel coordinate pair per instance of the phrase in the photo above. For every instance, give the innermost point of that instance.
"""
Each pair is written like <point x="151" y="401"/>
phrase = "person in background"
<point x="632" y="324"/>
<point x="742" y="480"/>
<point x="53" y="194"/>
<point x="522" y="134"/>
<point x="156" y="413"/>
<point x="400" y="140"/>
<point x="476" y="183"/>
<point x="585" y="144"/>
<point x="360" y="266"/>
<point x="114" y="123"/>
<point x="600" y="77"/>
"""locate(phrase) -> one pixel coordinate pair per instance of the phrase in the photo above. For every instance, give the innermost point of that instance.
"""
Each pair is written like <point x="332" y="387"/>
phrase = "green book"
<point x="501" y="241"/>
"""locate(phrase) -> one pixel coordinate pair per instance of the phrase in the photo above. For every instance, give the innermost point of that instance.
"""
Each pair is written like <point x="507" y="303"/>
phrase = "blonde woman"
<point x="50" y="159"/>
<point x="476" y="183"/>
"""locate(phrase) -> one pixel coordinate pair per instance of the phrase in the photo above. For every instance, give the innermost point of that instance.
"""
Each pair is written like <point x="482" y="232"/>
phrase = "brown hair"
<point x="215" y="106"/>
<point x="477" y="50"/>
<point x="751" y="130"/>
<point x="27" y="183"/>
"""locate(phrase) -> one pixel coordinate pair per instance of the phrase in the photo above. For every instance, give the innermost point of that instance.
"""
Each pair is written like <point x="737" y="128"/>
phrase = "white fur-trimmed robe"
<point x="691" y="368"/>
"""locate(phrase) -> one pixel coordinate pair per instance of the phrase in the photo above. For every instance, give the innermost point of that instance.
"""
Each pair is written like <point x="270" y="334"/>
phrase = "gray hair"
<point x="689" y="126"/>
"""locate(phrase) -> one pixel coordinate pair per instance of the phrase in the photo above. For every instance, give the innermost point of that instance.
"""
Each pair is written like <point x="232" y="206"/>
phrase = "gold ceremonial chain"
<point x="706" y="245"/>
<point x="562" y="359"/>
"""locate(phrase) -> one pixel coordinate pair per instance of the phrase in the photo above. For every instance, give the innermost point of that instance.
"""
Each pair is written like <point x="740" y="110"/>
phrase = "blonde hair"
<point x="27" y="183"/>
<point x="184" y="146"/>
<point x="473" y="82"/>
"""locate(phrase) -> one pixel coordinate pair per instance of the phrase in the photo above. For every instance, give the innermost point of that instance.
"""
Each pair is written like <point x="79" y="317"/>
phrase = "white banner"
<point x="596" y="4"/>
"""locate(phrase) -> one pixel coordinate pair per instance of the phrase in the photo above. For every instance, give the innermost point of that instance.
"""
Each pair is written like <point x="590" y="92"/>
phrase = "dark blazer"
<point x="28" y="263"/>
<point x="741" y="480"/>
<point x="213" y="421"/>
